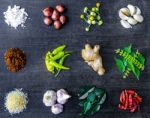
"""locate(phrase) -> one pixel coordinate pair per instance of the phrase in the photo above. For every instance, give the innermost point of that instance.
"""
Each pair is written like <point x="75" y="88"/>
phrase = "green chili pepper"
<point x="58" y="55"/>
<point x="68" y="52"/>
<point x="58" y="49"/>
<point x="53" y="63"/>
<point x="49" y="67"/>
<point x="61" y="63"/>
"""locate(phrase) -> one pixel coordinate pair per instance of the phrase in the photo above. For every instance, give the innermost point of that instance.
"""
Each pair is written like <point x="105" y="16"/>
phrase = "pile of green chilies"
<point x="54" y="60"/>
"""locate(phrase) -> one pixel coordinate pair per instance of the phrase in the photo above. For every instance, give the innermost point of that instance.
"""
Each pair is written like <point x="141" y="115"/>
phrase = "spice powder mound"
<point x="15" y="59"/>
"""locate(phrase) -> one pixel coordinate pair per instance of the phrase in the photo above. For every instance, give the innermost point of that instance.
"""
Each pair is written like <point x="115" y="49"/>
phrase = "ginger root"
<point x="93" y="58"/>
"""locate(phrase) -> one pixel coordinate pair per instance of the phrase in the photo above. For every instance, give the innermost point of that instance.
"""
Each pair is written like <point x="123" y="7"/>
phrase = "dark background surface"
<point x="36" y="39"/>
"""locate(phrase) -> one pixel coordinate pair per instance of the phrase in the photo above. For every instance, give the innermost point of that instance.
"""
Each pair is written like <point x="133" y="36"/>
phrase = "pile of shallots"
<point x="129" y="100"/>
<point x="56" y="100"/>
<point x="55" y="16"/>
<point x="130" y="16"/>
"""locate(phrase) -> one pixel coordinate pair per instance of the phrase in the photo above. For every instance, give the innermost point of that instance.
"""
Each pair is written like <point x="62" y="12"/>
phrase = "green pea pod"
<point x="58" y="49"/>
<point x="53" y="63"/>
<point x="61" y="63"/>
<point x="58" y="55"/>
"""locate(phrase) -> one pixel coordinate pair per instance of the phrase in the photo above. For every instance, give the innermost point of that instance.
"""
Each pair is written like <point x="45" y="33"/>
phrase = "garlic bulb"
<point x="132" y="9"/>
<point x="125" y="24"/>
<point x="49" y="98"/>
<point x="62" y="96"/>
<point x="138" y="18"/>
<point x="132" y="21"/>
<point x="57" y="109"/>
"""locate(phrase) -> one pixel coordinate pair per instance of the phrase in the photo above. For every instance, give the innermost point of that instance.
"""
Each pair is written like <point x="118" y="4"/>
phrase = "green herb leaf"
<point x="87" y="106"/>
<point x="84" y="95"/>
<point x="82" y="102"/>
<point x="120" y="65"/>
<point x="92" y="100"/>
<point x="131" y="66"/>
<point x="99" y="91"/>
<point x="141" y="59"/>
<point x="103" y="98"/>
<point x="91" y="96"/>
<point x="95" y="109"/>
<point x="137" y="73"/>
<point x="128" y="49"/>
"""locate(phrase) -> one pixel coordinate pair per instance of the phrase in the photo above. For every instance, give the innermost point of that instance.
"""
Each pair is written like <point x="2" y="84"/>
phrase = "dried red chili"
<point x="15" y="59"/>
<point x="129" y="100"/>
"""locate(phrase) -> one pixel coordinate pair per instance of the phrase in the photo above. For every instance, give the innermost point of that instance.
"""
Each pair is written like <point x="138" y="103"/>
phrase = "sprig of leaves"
<point x="129" y="61"/>
<point x="91" y="99"/>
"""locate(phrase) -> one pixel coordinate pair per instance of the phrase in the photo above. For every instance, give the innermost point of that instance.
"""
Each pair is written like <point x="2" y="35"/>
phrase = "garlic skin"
<point x="132" y="21"/>
<point x="125" y="24"/>
<point x="49" y="98"/>
<point x="62" y="96"/>
<point x="132" y="9"/>
<point x="57" y="109"/>
<point x="138" y="18"/>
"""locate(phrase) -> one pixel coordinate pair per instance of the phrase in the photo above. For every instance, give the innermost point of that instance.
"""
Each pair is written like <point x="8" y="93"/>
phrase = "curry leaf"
<point x="131" y="66"/>
<point x="120" y="65"/>
<point x="91" y="96"/>
<point x="93" y="100"/>
<point x="103" y="98"/>
<point x="128" y="49"/>
<point x="137" y="73"/>
<point x="95" y="109"/>
<point x="141" y="59"/>
<point x="87" y="106"/>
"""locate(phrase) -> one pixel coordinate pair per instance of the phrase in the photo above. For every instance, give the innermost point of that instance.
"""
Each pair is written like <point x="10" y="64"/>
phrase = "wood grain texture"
<point x="36" y="39"/>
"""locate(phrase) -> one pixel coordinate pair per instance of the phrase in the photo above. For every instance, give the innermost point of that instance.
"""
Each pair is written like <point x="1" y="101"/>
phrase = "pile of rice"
<point x="16" y="101"/>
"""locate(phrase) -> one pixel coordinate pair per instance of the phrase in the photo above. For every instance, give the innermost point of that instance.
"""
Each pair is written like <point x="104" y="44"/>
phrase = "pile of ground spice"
<point x="15" y="59"/>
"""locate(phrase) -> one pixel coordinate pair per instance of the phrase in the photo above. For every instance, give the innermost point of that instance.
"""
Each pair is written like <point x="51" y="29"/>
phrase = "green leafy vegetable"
<point x="129" y="61"/>
<point x="91" y="99"/>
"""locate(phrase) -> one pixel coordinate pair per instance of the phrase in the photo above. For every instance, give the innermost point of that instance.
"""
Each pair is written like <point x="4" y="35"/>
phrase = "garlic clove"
<point x="132" y="21"/>
<point x="62" y="96"/>
<point x="138" y="18"/>
<point x="123" y="14"/>
<point x="125" y="11"/>
<point x="138" y="11"/>
<point x="132" y="9"/>
<point x="125" y="24"/>
<point x="57" y="109"/>
<point x="49" y="98"/>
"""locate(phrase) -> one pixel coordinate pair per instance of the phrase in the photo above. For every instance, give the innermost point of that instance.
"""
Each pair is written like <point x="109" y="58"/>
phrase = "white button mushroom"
<point x="49" y="98"/>
<point x="62" y="96"/>
<point x="57" y="109"/>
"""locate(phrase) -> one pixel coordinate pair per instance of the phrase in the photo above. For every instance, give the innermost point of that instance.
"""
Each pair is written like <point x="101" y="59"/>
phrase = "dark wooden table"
<point x="36" y="39"/>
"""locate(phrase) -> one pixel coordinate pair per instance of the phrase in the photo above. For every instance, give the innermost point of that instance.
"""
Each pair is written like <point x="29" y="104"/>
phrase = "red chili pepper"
<point x="132" y="92"/>
<point x="138" y="98"/>
<point x="127" y="99"/>
<point x="130" y="101"/>
<point x="122" y="107"/>
<point x="122" y="97"/>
